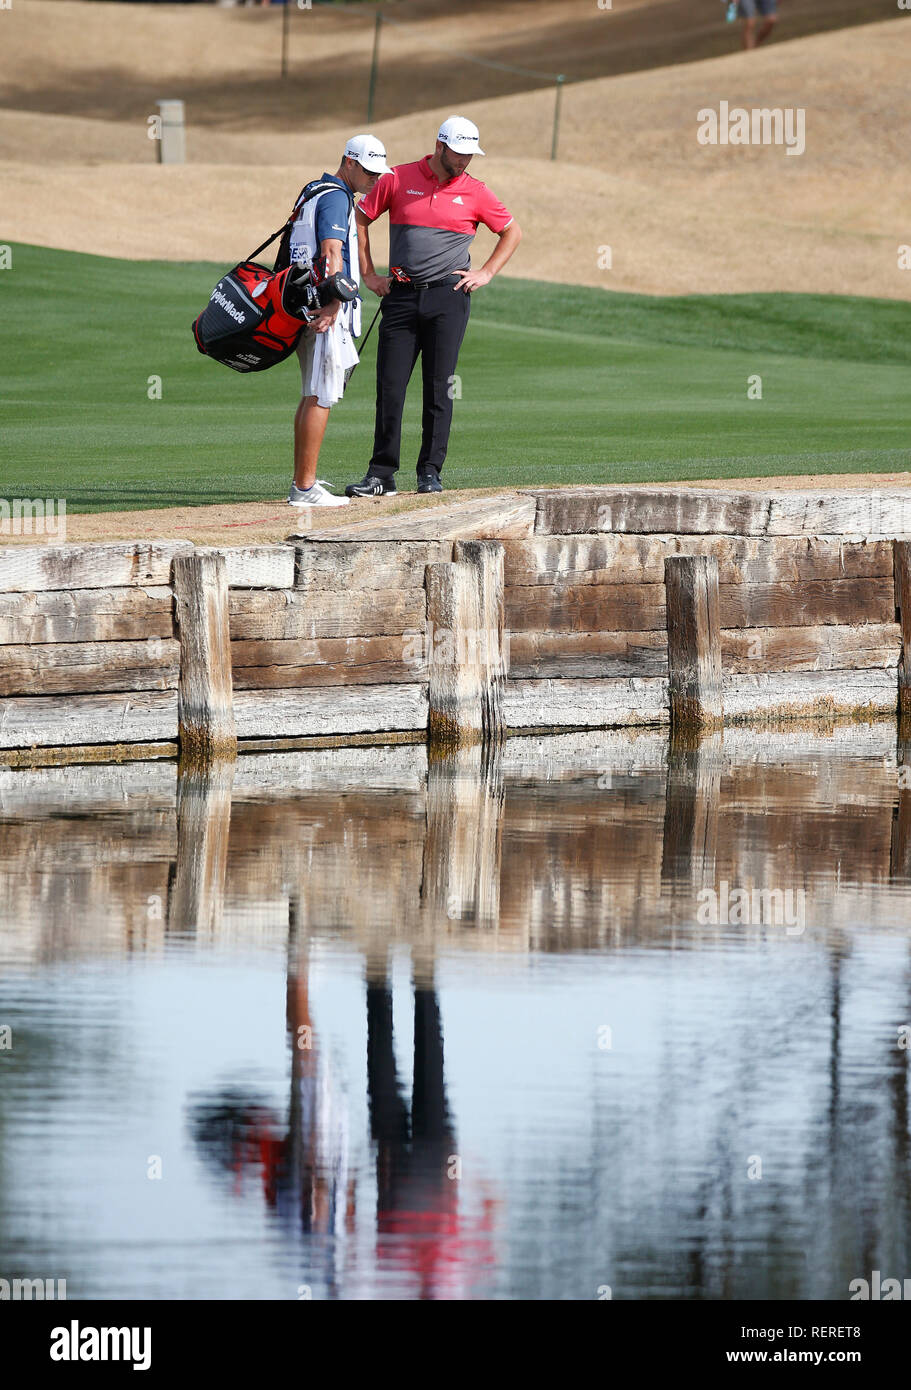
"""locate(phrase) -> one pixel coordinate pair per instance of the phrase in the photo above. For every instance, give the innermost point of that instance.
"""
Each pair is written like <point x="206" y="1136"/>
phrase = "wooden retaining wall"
<point x="808" y="603"/>
<point x="807" y="625"/>
<point x="781" y="607"/>
<point x="91" y="651"/>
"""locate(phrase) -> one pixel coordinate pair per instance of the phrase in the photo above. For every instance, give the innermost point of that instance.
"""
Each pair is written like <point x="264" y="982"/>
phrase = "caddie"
<point x="326" y="350"/>
<point x="434" y="210"/>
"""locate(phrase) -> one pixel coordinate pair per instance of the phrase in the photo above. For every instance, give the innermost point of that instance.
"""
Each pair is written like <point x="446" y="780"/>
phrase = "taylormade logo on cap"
<point x="369" y="152"/>
<point x="461" y="135"/>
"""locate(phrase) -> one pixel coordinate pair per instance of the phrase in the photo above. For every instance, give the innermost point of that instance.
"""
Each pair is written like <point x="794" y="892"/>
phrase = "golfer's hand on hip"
<point x="379" y="284"/>
<point x="471" y="279"/>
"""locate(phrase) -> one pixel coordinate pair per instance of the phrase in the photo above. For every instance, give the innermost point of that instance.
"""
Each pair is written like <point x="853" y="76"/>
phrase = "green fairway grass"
<point x="558" y="385"/>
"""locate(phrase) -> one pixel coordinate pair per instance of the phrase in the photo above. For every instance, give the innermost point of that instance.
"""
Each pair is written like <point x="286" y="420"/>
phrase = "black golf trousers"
<point x="432" y="322"/>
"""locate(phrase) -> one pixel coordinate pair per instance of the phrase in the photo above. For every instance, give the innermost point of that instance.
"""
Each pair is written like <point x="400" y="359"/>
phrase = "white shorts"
<point x="325" y="360"/>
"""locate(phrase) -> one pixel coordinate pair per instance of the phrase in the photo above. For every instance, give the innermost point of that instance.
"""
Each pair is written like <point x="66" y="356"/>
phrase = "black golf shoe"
<point x="372" y="486"/>
<point x="429" y="482"/>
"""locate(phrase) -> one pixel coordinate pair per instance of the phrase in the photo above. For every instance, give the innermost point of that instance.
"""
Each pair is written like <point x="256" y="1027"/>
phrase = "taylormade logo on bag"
<point x="228" y="307"/>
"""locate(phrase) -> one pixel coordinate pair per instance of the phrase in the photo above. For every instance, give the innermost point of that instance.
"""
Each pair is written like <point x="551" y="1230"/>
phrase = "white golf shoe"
<point x="315" y="496"/>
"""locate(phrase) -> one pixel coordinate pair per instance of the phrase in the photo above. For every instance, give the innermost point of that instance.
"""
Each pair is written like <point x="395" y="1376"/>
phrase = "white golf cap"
<point x="369" y="152"/>
<point x="460" y="135"/>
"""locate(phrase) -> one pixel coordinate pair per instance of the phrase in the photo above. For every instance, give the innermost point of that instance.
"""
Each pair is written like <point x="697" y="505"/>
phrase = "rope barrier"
<point x="380" y="19"/>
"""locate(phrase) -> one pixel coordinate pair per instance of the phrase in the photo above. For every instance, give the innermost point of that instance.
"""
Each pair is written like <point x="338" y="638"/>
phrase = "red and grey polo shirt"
<point x="432" y="224"/>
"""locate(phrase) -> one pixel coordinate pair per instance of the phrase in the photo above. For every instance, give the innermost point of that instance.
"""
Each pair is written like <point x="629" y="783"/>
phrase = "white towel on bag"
<point x="334" y="354"/>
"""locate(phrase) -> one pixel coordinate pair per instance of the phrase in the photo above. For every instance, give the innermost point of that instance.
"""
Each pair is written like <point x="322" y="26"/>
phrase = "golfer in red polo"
<point x="434" y="210"/>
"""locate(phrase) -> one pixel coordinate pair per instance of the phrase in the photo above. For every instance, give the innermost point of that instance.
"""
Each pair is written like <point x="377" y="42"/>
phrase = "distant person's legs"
<point x="769" y="11"/>
<point x="750" y="10"/>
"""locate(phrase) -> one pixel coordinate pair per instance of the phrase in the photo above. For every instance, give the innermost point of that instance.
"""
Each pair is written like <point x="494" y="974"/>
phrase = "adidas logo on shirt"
<point x="458" y="200"/>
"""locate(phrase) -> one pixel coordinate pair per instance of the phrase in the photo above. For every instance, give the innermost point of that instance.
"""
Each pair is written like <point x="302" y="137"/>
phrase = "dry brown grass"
<point x="678" y="216"/>
<point x="109" y="61"/>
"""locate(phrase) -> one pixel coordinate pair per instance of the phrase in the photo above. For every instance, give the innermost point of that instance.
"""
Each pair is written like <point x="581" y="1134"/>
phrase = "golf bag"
<point x="255" y="316"/>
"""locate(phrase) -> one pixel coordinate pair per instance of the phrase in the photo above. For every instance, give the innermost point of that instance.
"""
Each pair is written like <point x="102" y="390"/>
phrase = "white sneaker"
<point x="315" y="496"/>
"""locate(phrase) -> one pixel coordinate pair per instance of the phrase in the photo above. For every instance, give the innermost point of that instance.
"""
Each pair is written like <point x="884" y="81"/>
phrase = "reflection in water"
<point x="300" y="1161"/>
<point x="461" y="1029"/>
<point x="418" y="1173"/>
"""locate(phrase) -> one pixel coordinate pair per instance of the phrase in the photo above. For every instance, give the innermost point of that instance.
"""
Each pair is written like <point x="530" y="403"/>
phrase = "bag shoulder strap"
<point x="282" y="258"/>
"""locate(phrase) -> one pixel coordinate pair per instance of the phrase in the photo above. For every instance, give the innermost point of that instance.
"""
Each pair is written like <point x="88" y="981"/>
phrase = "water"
<point x="347" y="1026"/>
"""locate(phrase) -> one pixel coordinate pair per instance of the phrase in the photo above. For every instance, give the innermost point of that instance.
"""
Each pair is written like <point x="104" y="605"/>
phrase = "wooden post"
<point x="203" y="822"/>
<point x="286" y="14"/>
<point x="454" y="716"/>
<point x="900" y="848"/>
<point x="901" y="559"/>
<point x="557" y="104"/>
<point x="487" y="558"/>
<point x="460" y="882"/>
<point x="172" y="144"/>
<point x="374" y="66"/>
<point x="205" y="705"/>
<point x="465" y="657"/>
<point x="689" y="844"/>
<point x="693" y="642"/>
